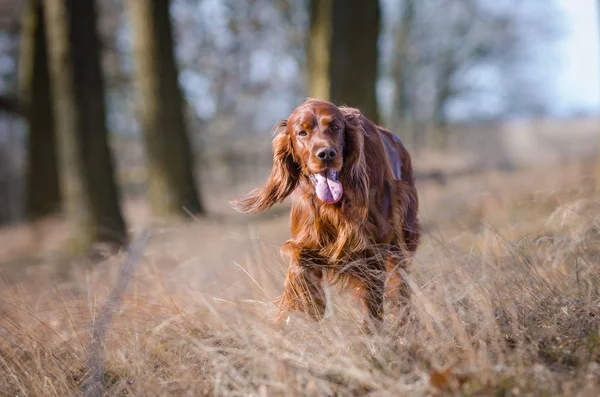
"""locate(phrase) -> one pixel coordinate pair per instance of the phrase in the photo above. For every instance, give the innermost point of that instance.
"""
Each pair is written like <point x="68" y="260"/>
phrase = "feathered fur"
<point x="282" y="180"/>
<point x="361" y="241"/>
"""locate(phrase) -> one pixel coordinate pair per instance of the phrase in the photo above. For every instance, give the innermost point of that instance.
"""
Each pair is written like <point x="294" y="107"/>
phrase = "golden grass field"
<point x="505" y="302"/>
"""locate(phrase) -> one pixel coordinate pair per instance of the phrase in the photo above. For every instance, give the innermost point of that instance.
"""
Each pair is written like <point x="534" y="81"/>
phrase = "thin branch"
<point x="94" y="386"/>
<point x="11" y="105"/>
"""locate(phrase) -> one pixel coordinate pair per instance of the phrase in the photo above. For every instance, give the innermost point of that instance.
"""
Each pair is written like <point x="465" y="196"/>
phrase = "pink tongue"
<point x="328" y="190"/>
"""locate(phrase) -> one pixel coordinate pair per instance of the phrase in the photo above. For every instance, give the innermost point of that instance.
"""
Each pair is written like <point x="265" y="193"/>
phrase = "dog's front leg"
<point x="369" y="286"/>
<point x="372" y="292"/>
<point x="303" y="289"/>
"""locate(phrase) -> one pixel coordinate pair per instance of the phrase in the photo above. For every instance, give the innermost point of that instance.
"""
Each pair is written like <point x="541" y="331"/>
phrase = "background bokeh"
<point x="121" y="118"/>
<point x="495" y="83"/>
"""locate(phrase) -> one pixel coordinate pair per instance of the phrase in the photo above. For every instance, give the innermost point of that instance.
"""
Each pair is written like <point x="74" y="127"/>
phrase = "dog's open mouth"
<point x="327" y="186"/>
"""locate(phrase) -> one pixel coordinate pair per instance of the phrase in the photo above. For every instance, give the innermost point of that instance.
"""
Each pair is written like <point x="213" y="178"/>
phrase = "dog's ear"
<point x="283" y="178"/>
<point x="354" y="142"/>
<point x="355" y="163"/>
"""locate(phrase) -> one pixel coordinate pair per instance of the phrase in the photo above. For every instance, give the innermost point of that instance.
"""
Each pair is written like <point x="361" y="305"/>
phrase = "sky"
<point x="578" y="74"/>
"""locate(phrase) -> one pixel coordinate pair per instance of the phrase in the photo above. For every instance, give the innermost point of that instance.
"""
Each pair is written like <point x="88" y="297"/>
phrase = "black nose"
<point x="327" y="153"/>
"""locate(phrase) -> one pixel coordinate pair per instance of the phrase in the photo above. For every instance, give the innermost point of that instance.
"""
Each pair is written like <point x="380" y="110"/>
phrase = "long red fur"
<point x="363" y="240"/>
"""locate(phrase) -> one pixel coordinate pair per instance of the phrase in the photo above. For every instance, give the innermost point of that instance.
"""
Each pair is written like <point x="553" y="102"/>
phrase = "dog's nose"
<point x="327" y="153"/>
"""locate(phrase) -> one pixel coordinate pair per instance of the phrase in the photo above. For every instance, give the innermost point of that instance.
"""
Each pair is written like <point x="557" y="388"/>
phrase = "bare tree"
<point x="170" y="162"/>
<point x="436" y="68"/>
<point x="343" y="53"/>
<point x="43" y="192"/>
<point x="598" y="148"/>
<point x="401" y="62"/>
<point x="86" y="166"/>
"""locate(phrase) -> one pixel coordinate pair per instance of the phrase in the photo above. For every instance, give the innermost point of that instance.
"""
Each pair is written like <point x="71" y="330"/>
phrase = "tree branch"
<point x="11" y="105"/>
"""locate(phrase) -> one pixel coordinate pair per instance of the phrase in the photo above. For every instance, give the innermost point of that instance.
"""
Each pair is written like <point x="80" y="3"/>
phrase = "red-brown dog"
<point x="354" y="209"/>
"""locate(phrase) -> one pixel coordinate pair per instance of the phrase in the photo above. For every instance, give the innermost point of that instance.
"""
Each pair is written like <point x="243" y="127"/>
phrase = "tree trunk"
<point x="343" y="53"/>
<point x="85" y="162"/>
<point x="42" y="185"/>
<point x="443" y="96"/>
<point x="170" y="160"/>
<point x="597" y="171"/>
<point x="319" y="48"/>
<point x="401" y="65"/>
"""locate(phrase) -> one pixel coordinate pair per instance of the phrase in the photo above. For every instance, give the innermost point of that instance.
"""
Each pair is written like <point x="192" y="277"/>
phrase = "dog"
<point x="354" y="208"/>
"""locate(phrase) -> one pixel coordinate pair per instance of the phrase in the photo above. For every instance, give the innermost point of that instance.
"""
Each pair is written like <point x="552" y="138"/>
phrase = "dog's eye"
<point x="302" y="133"/>
<point x="335" y="128"/>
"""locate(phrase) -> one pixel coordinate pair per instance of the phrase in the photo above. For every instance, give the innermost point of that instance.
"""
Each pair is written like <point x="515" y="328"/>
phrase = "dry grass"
<point x="505" y="302"/>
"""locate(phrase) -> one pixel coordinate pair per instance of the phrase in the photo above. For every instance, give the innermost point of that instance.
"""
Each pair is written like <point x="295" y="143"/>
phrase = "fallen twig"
<point x="94" y="385"/>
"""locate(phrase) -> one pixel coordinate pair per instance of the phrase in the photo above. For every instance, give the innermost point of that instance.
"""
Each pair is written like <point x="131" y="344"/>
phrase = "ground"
<point x="504" y="302"/>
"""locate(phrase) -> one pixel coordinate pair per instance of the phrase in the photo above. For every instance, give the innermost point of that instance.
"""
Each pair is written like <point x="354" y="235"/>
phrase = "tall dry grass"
<point x="504" y="302"/>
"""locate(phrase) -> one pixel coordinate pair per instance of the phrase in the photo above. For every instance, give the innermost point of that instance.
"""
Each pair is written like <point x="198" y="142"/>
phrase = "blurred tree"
<point x="85" y="162"/>
<point x="401" y="58"/>
<point x="478" y="58"/>
<point x="343" y="53"/>
<point x="597" y="172"/>
<point x="10" y="104"/>
<point x="170" y="161"/>
<point x="42" y="186"/>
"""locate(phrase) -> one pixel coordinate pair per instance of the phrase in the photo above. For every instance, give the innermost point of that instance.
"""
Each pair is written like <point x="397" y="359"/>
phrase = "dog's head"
<point x="320" y="142"/>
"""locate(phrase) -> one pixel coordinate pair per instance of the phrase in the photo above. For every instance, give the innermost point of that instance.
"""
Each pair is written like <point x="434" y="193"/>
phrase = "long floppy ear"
<point x="354" y="171"/>
<point x="282" y="181"/>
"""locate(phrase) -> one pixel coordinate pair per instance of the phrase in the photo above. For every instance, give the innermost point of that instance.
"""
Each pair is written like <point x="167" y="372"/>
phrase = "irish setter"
<point x="354" y="208"/>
